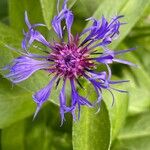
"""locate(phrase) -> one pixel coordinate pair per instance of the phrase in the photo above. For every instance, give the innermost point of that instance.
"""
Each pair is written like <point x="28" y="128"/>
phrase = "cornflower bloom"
<point x="70" y="60"/>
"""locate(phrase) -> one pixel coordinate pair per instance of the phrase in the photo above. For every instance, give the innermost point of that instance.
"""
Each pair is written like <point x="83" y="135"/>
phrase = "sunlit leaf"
<point x="118" y="110"/>
<point x="138" y="87"/>
<point x="92" y="131"/>
<point x="48" y="9"/>
<point x="135" y="134"/>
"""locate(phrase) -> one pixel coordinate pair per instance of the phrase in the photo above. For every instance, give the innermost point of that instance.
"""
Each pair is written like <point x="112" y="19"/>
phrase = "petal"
<point x="99" y="98"/>
<point x="113" y="98"/>
<point x="24" y="45"/>
<point x="83" y="101"/>
<point x="98" y="92"/>
<point x="32" y="35"/>
<point x="40" y="38"/>
<point x="56" y="24"/>
<point x="118" y="52"/>
<point x="69" y="21"/>
<point x="62" y="99"/>
<point x="42" y="95"/>
<point x="27" y="20"/>
<point x="118" y="90"/>
<point x="23" y="67"/>
<point x="99" y="75"/>
<point x="118" y="82"/>
<point x="124" y="62"/>
<point x="77" y="100"/>
<point x="104" y="33"/>
<point x="105" y="59"/>
<point x="64" y="14"/>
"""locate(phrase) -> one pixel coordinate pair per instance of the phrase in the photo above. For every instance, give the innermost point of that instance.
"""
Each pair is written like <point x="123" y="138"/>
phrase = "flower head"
<point x="71" y="60"/>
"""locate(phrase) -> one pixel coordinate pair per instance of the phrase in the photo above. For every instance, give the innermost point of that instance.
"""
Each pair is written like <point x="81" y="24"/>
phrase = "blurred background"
<point x="124" y="126"/>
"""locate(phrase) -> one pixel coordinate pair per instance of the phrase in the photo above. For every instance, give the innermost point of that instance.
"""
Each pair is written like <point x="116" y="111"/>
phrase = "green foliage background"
<point x="125" y="126"/>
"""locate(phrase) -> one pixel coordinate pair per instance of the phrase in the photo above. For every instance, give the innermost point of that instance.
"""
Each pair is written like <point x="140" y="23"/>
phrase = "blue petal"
<point x="33" y="35"/>
<point x="104" y="33"/>
<point x="105" y="59"/>
<point x="124" y="62"/>
<point x="77" y="100"/>
<point x="63" y="108"/>
<point x="42" y="95"/>
<point x="64" y="14"/>
<point x="23" y="67"/>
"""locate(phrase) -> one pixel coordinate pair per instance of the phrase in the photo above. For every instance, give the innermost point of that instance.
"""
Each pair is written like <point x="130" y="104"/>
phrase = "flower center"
<point x="69" y="60"/>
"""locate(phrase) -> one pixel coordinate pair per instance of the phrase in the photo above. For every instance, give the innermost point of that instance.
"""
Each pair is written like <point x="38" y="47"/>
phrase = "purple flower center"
<point x="69" y="60"/>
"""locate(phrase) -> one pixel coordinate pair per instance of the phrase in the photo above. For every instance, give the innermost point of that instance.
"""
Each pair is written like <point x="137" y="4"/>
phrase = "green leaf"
<point x="13" y="137"/>
<point x="48" y="9"/>
<point x="92" y="131"/>
<point x="15" y="103"/>
<point x="135" y="134"/>
<point x="43" y="133"/>
<point x="88" y="8"/>
<point x="140" y="39"/>
<point x="17" y="9"/>
<point x="3" y="9"/>
<point x="117" y="111"/>
<point x="139" y="84"/>
<point x="138" y="87"/>
<point x="46" y="131"/>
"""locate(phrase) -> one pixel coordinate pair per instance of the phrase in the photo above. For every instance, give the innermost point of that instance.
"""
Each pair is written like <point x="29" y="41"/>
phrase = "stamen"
<point x="79" y="83"/>
<point x="57" y="83"/>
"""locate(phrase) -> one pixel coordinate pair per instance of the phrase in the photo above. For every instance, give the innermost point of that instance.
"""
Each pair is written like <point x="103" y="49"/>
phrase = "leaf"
<point x="17" y="10"/>
<point x="117" y="111"/>
<point x="90" y="9"/>
<point x="9" y="139"/>
<point x="3" y="9"/>
<point x="135" y="134"/>
<point x="139" y="84"/>
<point x="45" y="131"/>
<point x="138" y="87"/>
<point x="140" y="39"/>
<point x="92" y="131"/>
<point x="48" y="9"/>
<point x="15" y="104"/>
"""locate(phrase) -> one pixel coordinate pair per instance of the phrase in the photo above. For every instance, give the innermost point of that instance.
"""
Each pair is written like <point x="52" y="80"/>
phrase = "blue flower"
<point x="71" y="60"/>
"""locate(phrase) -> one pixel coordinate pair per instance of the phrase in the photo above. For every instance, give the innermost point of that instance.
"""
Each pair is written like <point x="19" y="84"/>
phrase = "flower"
<point x="70" y="60"/>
